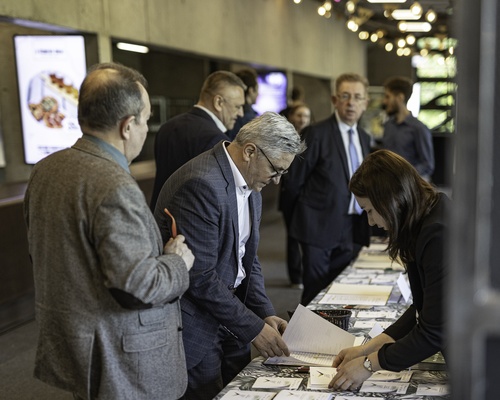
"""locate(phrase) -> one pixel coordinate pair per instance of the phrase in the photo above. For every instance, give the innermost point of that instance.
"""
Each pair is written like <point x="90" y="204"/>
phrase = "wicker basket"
<point x="337" y="317"/>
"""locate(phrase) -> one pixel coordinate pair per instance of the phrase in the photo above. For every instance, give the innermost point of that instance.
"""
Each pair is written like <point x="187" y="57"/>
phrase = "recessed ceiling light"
<point x="414" y="26"/>
<point x="403" y="15"/>
<point x="132" y="47"/>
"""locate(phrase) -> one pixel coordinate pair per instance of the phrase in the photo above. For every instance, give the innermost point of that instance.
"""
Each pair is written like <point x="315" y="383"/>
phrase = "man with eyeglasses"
<point x="183" y="137"/>
<point x="216" y="201"/>
<point x="326" y="220"/>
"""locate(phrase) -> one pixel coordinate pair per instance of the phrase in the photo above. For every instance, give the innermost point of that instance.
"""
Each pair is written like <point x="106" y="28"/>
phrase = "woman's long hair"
<point x="399" y="195"/>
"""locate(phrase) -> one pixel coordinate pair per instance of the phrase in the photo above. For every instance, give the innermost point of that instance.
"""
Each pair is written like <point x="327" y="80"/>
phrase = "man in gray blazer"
<point x="107" y="289"/>
<point x="215" y="199"/>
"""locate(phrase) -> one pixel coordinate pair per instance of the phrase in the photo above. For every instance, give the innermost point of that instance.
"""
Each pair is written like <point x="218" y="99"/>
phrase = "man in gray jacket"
<point x="107" y="290"/>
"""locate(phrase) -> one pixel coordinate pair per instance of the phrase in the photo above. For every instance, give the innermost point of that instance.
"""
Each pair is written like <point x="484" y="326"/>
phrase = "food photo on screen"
<point x="50" y="70"/>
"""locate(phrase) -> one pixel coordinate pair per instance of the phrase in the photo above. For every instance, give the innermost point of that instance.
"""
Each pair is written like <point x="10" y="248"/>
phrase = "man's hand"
<point x="277" y="323"/>
<point x="269" y="342"/>
<point x="177" y="246"/>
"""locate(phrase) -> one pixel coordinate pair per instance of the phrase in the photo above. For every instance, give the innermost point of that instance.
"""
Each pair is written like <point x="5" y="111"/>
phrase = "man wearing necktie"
<point x="326" y="219"/>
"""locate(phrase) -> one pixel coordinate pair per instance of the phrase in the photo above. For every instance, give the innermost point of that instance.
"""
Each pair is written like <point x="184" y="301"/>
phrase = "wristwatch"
<point x="368" y="365"/>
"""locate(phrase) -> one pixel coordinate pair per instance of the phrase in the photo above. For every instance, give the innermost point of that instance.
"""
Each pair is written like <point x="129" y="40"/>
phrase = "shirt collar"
<point x="343" y="126"/>
<point x="217" y="121"/>
<point x="112" y="151"/>
<point x="239" y="181"/>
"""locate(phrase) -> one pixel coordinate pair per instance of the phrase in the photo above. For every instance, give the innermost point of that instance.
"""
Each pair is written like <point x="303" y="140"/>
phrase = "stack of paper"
<point x="272" y="382"/>
<point x="340" y="293"/>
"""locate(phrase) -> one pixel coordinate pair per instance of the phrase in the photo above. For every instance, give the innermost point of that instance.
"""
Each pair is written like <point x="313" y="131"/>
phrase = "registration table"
<point x="358" y="289"/>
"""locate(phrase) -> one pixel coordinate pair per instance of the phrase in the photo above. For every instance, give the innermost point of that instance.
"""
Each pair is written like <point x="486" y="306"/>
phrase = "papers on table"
<point x="370" y="323"/>
<point x="357" y="398"/>
<point x="312" y="340"/>
<point x="302" y="395"/>
<point x="250" y="395"/>
<point x="340" y="293"/>
<point x="272" y="382"/>
<point x="432" y="390"/>
<point x="384" y="387"/>
<point x="320" y="377"/>
<point x="387" y="376"/>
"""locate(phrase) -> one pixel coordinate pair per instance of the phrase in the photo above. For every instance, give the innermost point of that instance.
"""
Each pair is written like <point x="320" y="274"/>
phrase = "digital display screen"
<point x="272" y="92"/>
<point x="50" y="71"/>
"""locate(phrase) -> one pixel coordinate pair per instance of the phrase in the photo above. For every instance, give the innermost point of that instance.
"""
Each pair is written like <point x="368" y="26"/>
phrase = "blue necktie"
<point x="353" y="154"/>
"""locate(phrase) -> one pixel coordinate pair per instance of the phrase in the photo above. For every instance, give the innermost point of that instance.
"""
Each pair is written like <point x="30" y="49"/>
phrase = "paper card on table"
<point x="376" y="314"/>
<point x="370" y="323"/>
<point x="375" y="331"/>
<point x="432" y="390"/>
<point x="312" y="340"/>
<point x="340" y="293"/>
<point x="320" y="377"/>
<point x="404" y="286"/>
<point x="387" y="376"/>
<point x="247" y="394"/>
<point x="272" y="382"/>
<point x="354" y="280"/>
<point x="385" y="279"/>
<point x="357" y="398"/>
<point x="384" y="387"/>
<point x="302" y="395"/>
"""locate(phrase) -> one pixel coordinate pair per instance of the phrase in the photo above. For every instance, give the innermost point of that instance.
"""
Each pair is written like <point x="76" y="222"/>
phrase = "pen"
<point x="174" y="225"/>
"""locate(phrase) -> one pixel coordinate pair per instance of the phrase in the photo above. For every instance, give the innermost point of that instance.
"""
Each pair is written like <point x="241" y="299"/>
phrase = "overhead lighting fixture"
<point x="403" y="15"/>
<point x="410" y="39"/>
<point x="363" y="35"/>
<point x="373" y="37"/>
<point x="327" y="5"/>
<point x="416" y="8"/>
<point x="431" y="16"/>
<point x="404" y="26"/>
<point x="350" y="6"/>
<point x="386" y="1"/>
<point x="389" y="46"/>
<point x="297" y="1"/>
<point x="132" y="47"/>
<point x="352" y="25"/>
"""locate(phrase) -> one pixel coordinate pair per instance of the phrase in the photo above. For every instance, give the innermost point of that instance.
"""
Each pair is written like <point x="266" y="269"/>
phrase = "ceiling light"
<point x="431" y="15"/>
<point x="424" y="52"/>
<point x="350" y="7"/>
<point x="297" y="1"/>
<point x="410" y="39"/>
<point x="363" y="35"/>
<point x="374" y="37"/>
<point x="404" y="15"/>
<point x="416" y="8"/>
<point x="401" y="42"/>
<point x="386" y="1"/>
<point x="389" y="46"/>
<point x="321" y="10"/>
<point x="132" y="47"/>
<point x="327" y="5"/>
<point x="414" y="26"/>
<point x="406" y="51"/>
<point x="400" y="51"/>
<point x="380" y="33"/>
<point x="352" y="25"/>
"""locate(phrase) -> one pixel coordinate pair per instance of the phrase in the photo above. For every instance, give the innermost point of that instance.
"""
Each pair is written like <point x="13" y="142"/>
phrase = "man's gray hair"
<point x="273" y="133"/>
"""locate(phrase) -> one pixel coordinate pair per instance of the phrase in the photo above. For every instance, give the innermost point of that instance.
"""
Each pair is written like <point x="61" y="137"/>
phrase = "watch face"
<point x="368" y="364"/>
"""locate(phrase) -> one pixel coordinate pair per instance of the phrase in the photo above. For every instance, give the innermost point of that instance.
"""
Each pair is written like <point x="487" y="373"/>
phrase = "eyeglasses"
<point x="356" y="98"/>
<point x="278" y="173"/>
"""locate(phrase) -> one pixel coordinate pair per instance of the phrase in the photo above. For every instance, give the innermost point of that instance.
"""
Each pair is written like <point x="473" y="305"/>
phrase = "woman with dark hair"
<point x="413" y="213"/>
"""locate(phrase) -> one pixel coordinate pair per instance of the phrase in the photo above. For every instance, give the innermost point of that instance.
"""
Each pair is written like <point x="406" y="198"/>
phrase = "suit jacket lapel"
<point x="227" y="173"/>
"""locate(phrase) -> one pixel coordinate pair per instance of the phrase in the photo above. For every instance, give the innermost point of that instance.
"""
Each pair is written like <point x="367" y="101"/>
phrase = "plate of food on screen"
<point x="52" y="97"/>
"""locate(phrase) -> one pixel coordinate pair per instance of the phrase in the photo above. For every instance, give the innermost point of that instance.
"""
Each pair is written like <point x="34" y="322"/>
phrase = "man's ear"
<point x="126" y="127"/>
<point x="249" y="151"/>
<point x="217" y="101"/>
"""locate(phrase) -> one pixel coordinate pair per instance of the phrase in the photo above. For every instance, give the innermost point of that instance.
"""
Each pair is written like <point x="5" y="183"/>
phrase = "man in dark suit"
<point x="185" y="136"/>
<point x="215" y="199"/>
<point x="325" y="219"/>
